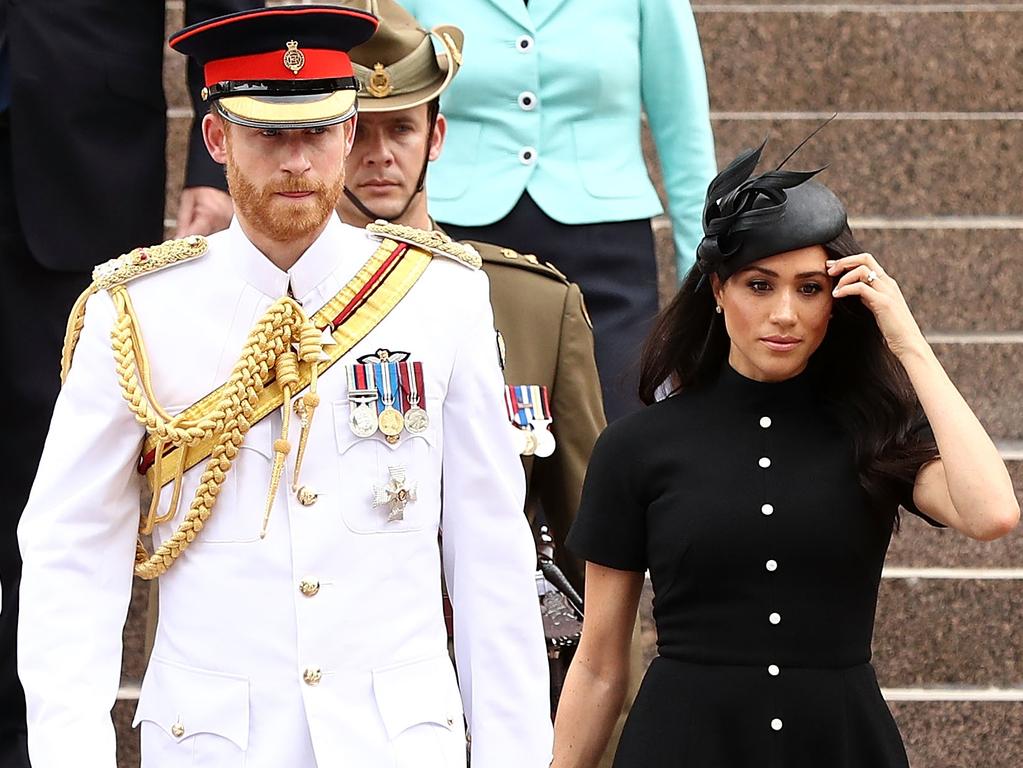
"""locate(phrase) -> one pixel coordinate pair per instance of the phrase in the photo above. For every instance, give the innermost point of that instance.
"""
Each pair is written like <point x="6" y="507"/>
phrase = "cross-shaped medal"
<point x="395" y="494"/>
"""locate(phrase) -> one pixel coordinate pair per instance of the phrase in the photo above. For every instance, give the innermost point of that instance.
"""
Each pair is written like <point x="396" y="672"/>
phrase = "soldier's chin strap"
<point x="372" y="215"/>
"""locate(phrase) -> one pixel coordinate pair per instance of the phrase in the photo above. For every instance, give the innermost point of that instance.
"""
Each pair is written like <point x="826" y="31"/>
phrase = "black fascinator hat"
<point x="746" y="217"/>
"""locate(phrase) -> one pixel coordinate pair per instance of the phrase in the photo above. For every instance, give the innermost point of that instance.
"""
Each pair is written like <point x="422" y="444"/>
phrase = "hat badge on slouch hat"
<point x="399" y="67"/>
<point x="747" y="218"/>
<point x="281" y="67"/>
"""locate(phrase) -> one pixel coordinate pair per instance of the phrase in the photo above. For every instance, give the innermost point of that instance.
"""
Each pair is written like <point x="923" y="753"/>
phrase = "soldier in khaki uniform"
<point x="545" y="335"/>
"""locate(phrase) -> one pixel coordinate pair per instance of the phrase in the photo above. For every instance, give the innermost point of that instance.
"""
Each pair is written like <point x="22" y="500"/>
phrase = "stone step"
<point x="961" y="734"/>
<point x="869" y="59"/>
<point x="174" y="88"/>
<point x="988" y="376"/>
<point x="127" y="737"/>
<point x="949" y="632"/>
<point x="954" y="279"/>
<point x="890" y="168"/>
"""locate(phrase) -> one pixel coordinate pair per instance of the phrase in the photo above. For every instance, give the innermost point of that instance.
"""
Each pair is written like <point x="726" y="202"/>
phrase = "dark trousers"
<point x="34" y="305"/>
<point x="614" y="265"/>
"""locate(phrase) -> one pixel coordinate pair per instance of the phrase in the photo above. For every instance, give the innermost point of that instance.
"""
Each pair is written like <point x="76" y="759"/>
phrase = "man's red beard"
<point x="274" y="216"/>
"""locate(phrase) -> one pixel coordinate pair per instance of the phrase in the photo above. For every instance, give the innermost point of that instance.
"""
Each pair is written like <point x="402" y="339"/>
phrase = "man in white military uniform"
<point x="303" y="390"/>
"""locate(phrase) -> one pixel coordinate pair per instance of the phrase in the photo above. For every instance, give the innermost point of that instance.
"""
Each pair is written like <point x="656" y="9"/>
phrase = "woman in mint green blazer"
<point x="543" y="150"/>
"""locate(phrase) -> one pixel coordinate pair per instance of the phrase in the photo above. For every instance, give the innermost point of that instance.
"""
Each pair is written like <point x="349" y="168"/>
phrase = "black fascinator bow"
<point x="748" y="217"/>
<point x="737" y="204"/>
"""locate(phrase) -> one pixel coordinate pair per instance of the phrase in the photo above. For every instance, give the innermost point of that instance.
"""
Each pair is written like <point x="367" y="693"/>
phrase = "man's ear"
<point x="214" y="134"/>
<point x="440" y="131"/>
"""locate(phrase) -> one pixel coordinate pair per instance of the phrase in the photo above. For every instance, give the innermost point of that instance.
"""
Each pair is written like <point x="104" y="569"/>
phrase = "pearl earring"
<point x="719" y="310"/>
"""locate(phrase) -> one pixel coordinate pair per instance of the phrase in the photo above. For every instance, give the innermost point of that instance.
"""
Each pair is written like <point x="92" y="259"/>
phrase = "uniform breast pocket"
<point x="422" y="713"/>
<point x="387" y="487"/>
<point x="237" y="516"/>
<point x="192" y="717"/>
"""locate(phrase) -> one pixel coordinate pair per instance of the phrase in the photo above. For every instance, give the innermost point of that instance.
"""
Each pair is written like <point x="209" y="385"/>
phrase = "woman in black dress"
<point x="805" y="408"/>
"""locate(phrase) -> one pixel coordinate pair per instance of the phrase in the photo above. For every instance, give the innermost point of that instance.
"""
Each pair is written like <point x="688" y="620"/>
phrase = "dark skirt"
<point x="712" y="716"/>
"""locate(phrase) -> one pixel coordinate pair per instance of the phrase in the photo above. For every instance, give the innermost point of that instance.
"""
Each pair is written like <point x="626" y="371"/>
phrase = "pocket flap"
<point x="184" y="701"/>
<point x="417" y="692"/>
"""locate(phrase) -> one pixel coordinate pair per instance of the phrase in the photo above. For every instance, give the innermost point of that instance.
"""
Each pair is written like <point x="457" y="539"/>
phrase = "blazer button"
<point x="306" y="496"/>
<point x="527" y="101"/>
<point x="524" y="44"/>
<point x="312" y="676"/>
<point x="177" y="730"/>
<point x="309" y="587"/>
<point x="527" y="155"/>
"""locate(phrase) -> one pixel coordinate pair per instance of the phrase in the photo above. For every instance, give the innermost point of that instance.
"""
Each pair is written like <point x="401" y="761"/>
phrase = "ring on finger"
<point x="871" y="277"/>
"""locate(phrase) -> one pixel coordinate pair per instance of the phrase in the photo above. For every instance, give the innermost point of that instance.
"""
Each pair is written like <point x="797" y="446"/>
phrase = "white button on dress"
<point x="776" y="724"/>
<point x="774" y="670"/>
<point x="764" y="462"/>
<point x="774" y="618"/>
<point x="765" y="421"/>
<point x="771" y="565"/>
<point x="767" y="509"/>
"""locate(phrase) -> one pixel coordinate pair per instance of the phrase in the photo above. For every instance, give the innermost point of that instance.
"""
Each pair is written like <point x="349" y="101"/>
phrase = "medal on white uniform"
<point x="390" y="418"/>
<point x="362" y="398"/>
<point x="397" y="494"/>
<point x="417" y="420"/>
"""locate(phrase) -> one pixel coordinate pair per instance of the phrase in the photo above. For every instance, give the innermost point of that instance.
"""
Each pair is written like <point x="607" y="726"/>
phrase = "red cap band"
<point x="316" y="64"/>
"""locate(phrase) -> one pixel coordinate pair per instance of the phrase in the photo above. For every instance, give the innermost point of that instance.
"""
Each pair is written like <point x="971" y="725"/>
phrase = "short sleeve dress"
<point x="765" y="557"/>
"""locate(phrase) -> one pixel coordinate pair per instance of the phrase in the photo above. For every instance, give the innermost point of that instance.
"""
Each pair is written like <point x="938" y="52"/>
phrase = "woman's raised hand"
<point x="861" y="275"/>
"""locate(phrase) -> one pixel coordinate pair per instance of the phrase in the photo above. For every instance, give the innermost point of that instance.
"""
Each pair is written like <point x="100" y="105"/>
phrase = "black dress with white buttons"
<point x="765" y="556"/>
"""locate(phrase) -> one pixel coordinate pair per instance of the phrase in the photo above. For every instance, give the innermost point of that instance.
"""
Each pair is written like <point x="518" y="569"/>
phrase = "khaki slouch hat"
<point x="399" y="67"/>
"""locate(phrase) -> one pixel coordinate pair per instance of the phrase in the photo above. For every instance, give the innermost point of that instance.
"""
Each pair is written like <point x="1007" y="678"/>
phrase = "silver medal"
<point x="363" y="420"/>
<point x="417" y="421"/>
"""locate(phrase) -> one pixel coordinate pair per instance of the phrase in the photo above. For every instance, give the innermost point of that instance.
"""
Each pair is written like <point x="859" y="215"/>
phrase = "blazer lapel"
<point x="541" y="10"/>
<point x="516" y="9"/>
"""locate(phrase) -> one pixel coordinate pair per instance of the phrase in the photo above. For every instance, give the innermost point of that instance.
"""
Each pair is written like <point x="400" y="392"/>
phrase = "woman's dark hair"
<point x="865" y="384"/>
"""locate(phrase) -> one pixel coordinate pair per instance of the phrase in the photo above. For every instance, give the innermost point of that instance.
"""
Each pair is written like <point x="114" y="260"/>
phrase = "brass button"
<point x="307" y="496"/>
<point x="309" y="587"/>
<point x="312" y="676"/>
<point x="177" y="730"/>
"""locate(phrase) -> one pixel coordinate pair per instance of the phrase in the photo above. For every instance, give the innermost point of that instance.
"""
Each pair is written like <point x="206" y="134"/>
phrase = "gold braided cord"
<point x="129" y="358"/>
<point x="268" y="341"/>
<point x="75" y="323"/>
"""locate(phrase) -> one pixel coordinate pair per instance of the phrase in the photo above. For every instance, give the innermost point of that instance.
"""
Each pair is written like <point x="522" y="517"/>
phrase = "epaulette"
<point x="433" y="241"/>
<point x="495" y="254"/>
<point x="142" y="261"/>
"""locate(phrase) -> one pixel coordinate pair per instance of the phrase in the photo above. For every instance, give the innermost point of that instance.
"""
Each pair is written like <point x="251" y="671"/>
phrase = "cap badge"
<point x="294" y="59"/>
<point x="379" y="82"/>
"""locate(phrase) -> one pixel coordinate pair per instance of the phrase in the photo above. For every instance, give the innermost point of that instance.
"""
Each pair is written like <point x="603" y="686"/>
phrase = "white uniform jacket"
<point x="248" y="669"/>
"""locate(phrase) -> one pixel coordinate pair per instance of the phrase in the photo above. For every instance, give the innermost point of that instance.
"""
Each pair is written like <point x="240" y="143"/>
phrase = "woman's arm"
<point x="968" y="488"/>
<point x="599" y="676"/>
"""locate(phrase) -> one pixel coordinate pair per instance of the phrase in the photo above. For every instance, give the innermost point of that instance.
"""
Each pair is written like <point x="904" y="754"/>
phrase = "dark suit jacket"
<point x="88" y="124"/>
